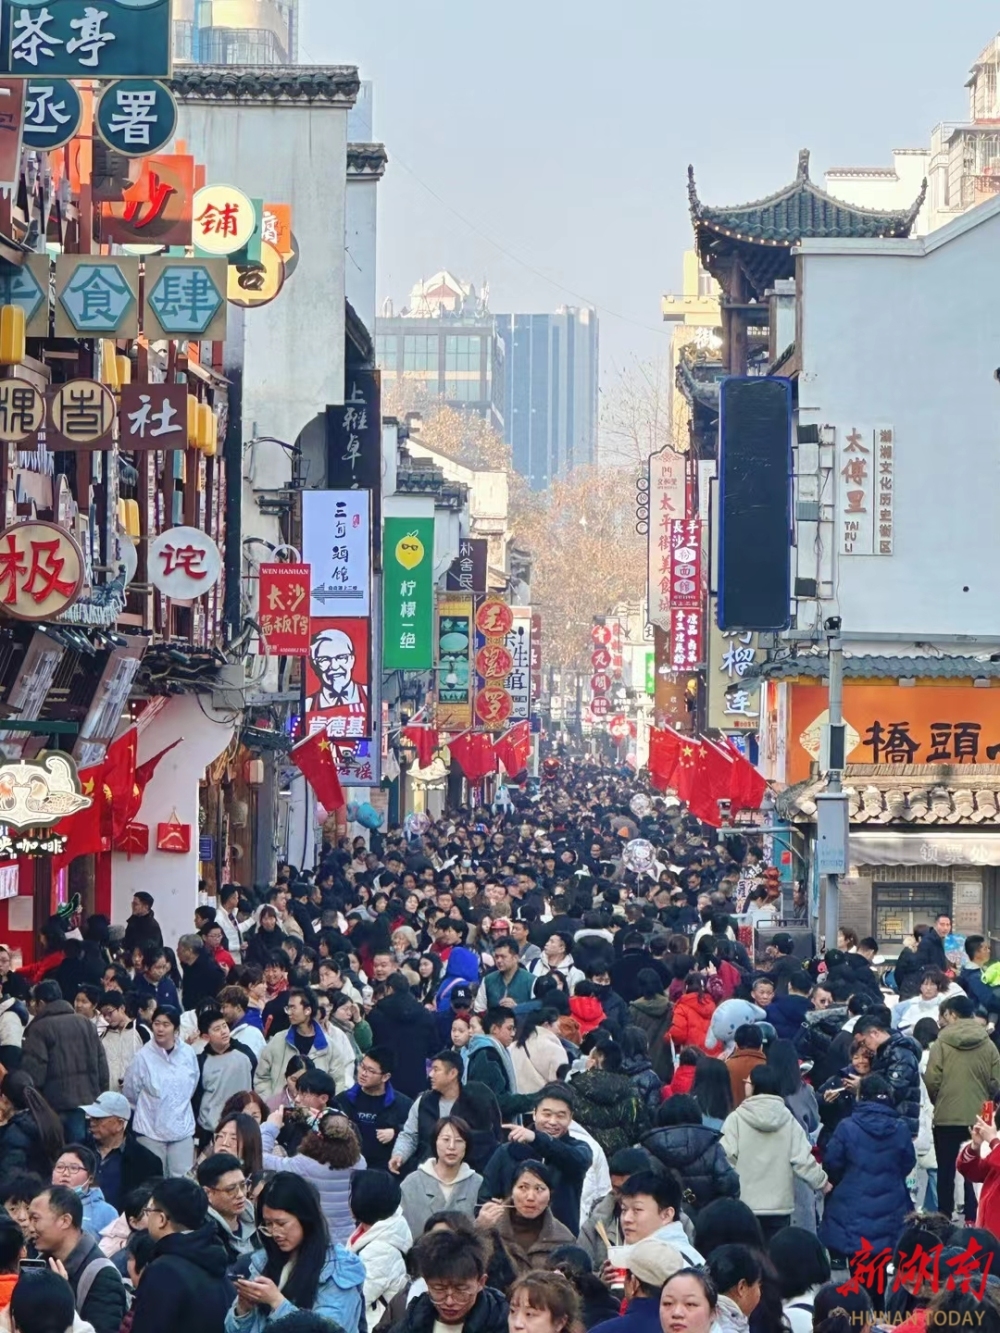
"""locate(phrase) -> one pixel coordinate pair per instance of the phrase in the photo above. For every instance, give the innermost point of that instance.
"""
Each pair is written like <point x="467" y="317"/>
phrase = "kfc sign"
<point x="184" y="563"/>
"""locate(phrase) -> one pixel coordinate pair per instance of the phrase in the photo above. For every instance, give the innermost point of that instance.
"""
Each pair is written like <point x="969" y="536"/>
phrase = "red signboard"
<point x="686" y="633"/>
<point x="683" y="564"/>
<point x="600" y="659"/>
<point x="601" y="706"/>
<point x="284" y="609"/>
<point x="600" y="682"/>
<point x="601" y="635"/>
<point x="618" y="726"/>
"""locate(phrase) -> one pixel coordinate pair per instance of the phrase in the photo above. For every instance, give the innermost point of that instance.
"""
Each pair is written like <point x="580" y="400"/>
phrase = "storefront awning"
<point x="921" y="847"/>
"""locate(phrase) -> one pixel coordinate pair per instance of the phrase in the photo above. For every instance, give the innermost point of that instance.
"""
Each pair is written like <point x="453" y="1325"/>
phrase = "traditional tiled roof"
<point x="698" y="377"/>
<point x="800" y="209"/>
<point x="906" y="794"/>
<point x="878" y="667"/>
<point x="366" y="161"/>
<point x="267" y="84"/>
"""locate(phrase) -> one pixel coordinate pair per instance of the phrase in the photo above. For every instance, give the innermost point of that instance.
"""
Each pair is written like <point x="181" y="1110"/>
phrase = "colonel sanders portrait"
<point x="332" y="655"/>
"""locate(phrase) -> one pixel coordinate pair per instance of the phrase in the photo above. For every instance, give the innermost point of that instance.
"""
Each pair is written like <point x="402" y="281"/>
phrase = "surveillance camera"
<point x="832" y="624"/>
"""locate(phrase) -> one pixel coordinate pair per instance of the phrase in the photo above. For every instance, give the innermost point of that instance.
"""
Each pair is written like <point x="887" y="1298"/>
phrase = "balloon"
<point x="640" y="805"/>
<point x="639" y="856"/>
<point x="368" y="817"/>
<point x="416" y="824"/>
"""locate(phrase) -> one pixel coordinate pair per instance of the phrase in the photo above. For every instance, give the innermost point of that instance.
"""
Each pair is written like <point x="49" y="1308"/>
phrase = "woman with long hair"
<point x="265" y="937"/>
<point x="637" y="1065"/>
<point x="538" y="1053"/>
<point x="429" y="972"/>
<point x="596" y="1302"/>
<point x="803" y="1266"/>
<point x="712" y="1089"/>
<point x="31" y="1134"/>
<point x="525" y="1222"/>
<point x="239" y="1134"/>
<point x="246" y="1103"/>
<point x="298" y="1268"/>
<point x="691" y="1152"/>
<point x="801" y="1101"/>
<point x="327" y="1157"/>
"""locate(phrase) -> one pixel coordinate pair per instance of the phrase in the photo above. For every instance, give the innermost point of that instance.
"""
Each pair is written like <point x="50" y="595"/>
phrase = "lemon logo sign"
<point x="410" y="551"/>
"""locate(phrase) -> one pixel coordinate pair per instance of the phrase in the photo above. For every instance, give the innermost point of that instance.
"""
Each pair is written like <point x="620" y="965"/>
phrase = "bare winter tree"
<point x="635" y="416"/>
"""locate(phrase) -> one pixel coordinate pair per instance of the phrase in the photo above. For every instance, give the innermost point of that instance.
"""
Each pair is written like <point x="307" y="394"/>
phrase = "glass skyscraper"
<point x="236" y="32"/>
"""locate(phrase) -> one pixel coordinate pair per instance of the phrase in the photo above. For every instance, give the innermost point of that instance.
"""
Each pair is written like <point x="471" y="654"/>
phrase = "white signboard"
<point x="667" y="502"/>
<point x="518" y="644"/>
<point x="184" y="563"/>
<point x="336" y="543"/>
<point x="866" y="459"/>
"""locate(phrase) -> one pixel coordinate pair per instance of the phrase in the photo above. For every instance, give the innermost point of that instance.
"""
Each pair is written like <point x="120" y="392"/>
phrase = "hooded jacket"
<point x="693" y="1155"/>
<point x="382" y="1248"/>
<point x="815" y="1036"/>
<point x="184" y="1285"/>
<point x="404" y="1024"/>
<point x="488" y="1315"/>
<point x="682" y="1081"/>
<point x="692" y="1019"/>
<point x="654" y="1016"/>
<point x="588" y="1012"/>
<point x="645" y="1081"/>
<point x="269" y="1077"/>
<point x="539" y="1060"/>
<point x="768" y="1147"/>
<point x="963" y="1071"/>
<point x="339" y="1296"/>
<point x="608" y="1107"/>
<point x="489" y="1062"/>
<point x="869" y="1156"/>
<point x="898" y="1061"/>
<point x="97" y="1212"/>
<point x="21" y="1146"/>
<point x="786" y="1014"/>
<point x="423" y="1195"/>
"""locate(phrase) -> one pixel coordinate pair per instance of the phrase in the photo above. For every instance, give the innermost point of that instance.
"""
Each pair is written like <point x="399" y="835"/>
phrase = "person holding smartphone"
<point x="979" y="1162"/>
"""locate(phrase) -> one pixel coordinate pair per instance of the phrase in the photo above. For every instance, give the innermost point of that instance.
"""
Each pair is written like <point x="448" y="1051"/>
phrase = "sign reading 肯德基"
<point x="408" y="612"/>
<point x="78" y="39"/>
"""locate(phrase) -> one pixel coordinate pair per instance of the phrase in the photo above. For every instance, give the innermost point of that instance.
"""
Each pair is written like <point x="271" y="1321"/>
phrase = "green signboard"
<point x="78" y="39"/>
<point x="408" y="598"/>
<point x="650" y="675"/>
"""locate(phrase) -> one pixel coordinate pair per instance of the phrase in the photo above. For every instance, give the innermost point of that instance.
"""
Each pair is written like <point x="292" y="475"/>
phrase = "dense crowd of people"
<point x="547" y="1067"/>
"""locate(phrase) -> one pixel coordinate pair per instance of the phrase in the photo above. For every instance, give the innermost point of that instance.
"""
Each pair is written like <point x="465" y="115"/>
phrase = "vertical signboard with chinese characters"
<point x="733" y="699"/>
<point x="283" y="609"/>
<point x="685" y="564"/>
<point x="354" y="443"/>
<point x="454" y="662"/>
<point x="885" y="462"/>
<point x="518" y="682"/>
<point x="494" y="622"/>
<point x="856" y="489"/>
<point x="408" y="596"/>
<point x="686" y="640"/>
<point x="336" y="544"/>
<point x="468" y="570"/>
<point x="667" y="503"/>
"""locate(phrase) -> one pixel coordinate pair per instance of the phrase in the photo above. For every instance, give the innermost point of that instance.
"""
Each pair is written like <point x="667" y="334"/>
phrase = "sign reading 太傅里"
<point x="78" y="39"/>
<point x="866" y="459"/>
<point x="408" y="611"/>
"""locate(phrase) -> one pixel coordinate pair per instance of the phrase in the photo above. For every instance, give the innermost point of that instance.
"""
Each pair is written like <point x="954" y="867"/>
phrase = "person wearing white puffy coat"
<point x="381" y="1240"/>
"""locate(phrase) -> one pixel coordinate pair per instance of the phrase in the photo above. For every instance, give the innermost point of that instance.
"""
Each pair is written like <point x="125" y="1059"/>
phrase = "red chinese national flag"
<point x="748" y="786"/>
<point x="473" y="752"/>
<point x="704" y="776"/>
<point x="314" y="759"/>
<point x="514" y="748"/>
<point x="83" y="830"/>
<point x="664" y="752"/>
<point x="424" y="739"/>
<point x="119" y="781"/>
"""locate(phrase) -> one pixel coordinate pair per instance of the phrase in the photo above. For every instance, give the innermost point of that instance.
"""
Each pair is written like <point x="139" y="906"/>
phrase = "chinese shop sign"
<point x="156" y="210"/>
<point x="22" y="411"/>
<point x="27" y="285"/>
<point x="283" y="609"/>
<point x="336" y="545"/>
<point x="37" y="793"/>
<point x="253" y="283"/>
<point x="454" y="644"/>
<point x="81" y="416"/>
<point x="686" y="634"/>
<point x="41" y="571"/>
<point x="536" y="658"/>
<point x="493" y="704"/>
<point x="354" y="435"/>
<point x="53" y="110"/>
<point x="224" y="220"/>
<point x="185" y="298"/>
<point x="153" y="416"/>
<point x="97" y="297"/>
<point x="894" y="724"/>
<point x="667" y="503"/>
<point x="467" y="572"/>
<point x="337" y="677"/>
<point x="866" y="460"/>
<point x="408" y="611"/>
<point x="79" y="39"/>
<point x="276" y="229"/>
<point x="184" y="563"/>
<point x="682" y="564"/>
<point x="137" y="117"/>
<point x="518" y="682"/>
<point x="733" y="700"/>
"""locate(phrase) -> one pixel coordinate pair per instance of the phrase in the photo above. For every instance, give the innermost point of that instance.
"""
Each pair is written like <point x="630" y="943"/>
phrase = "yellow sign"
<point x="254" y="284"/>
<point x="224" y="220"/>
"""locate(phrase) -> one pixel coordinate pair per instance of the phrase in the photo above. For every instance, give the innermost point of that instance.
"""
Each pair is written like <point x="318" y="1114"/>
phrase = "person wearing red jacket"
<point x="692" y="1015"/>
<point x="683" y="1079"/>
<point x="984" y="1170"/>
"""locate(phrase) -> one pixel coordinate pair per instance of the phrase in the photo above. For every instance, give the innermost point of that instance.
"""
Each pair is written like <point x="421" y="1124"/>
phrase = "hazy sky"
<point x="561" y="132"/>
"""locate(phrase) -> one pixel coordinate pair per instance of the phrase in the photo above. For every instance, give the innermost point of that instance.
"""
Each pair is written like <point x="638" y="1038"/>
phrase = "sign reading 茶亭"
<point x="283" y="609"/>
<point x="408" y="612"/>
<point x="78" y="39"/>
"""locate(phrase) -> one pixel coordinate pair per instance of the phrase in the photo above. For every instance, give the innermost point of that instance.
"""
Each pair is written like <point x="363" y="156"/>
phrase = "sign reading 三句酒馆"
<point x="336" y="544"/>
<point x="408" y="610"/>
<point x="80" y="39"/>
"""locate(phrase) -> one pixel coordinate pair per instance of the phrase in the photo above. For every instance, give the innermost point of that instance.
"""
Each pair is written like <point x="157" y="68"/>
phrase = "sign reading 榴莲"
<point x="78" y="39"/>
<point x="409" y="594"/>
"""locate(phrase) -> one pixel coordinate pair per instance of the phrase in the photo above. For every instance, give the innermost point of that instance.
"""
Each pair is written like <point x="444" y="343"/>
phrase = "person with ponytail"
<point x="538" y="1053"/>
<point x="835" y="1312"/>
<point x="31" y="1134"/>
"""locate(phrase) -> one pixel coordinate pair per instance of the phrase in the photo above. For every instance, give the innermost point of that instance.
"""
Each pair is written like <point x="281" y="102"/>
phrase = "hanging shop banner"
<point x="518" y="682"/>
<point x="683" y="564"/>
<point x="136" y="117"/>
<point x="97" y="297"/>
<point x="185" y="298"/>
<point x="224" y="220"/>
<point x="686" y="640"/>
<point x="276" y="229"/>
<point x="184" y="563"/>
<point x="454" y="643"/>
<point x="408" y="554"/>
<point x="256" y="282"/>
<point x="467" y="572"/>
<point x="493" y="704"/>
<point x="338" y="677"/>
<point x="336" y="544"/>
<point x="38" y="793"/>
<point x="77" y="39"/>
<point x="283" y="609"/>
<point x="667" y="503"/>
<point x="41" y="571"/>
<point x="22" y="411"/>
<point x="354" y="435"/>
<point x="733" y="700"/>
<point x="153" y="416"/>
<point x="156" y="210"/>
<point x="53" y="110"/>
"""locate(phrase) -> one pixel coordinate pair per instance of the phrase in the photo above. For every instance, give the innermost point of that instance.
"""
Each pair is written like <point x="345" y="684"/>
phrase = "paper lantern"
<point x="124" y="369"/>
<point x="192" y="422"/>
<point x="12" y="335"/>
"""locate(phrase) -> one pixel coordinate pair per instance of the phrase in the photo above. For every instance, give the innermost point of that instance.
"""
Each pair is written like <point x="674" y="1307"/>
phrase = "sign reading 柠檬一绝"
<point x="78" y="39"/>
<point x="408" y="607"/>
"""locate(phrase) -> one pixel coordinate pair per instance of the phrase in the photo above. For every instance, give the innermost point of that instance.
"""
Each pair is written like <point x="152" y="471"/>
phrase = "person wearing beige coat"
<point x="768" y="1148"/>
<point x="538" y="1057"/>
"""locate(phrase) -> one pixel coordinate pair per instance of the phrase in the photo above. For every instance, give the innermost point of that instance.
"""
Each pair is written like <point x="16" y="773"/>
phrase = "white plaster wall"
<point x="170" y="877"/>
<point x="359" y="258"/>
<point x="908" y="334"/>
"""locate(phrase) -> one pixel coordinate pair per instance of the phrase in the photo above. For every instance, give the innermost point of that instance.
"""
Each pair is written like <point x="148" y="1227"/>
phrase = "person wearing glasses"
<point x="76" y="1168"/>
<point x="453" y="1266"/>
<point x="183" y="1287"/>
<point x="303" y="1037"/>
<point x="298" y="1268"/>
<point x="374" y="1106"/>
<point x="226" y="1189"/>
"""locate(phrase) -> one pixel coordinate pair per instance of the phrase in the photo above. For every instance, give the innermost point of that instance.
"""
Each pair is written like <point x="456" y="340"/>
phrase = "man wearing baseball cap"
<point x="648" y="1264"/>
<point x="125" y="1163"/>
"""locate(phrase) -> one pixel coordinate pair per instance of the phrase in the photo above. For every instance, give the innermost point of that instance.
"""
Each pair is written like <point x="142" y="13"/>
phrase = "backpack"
<point x="88" y="1277"/>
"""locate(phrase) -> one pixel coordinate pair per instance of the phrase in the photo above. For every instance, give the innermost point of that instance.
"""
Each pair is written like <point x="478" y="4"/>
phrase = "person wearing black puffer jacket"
<point x="692" y="1154"/>
<point x="637" y="1065"/>
<point x="896" y="1058"/>
<point x="615" y="1008"/>
<point x="184" y="1285"/>
<point x="607" y="1105"/>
